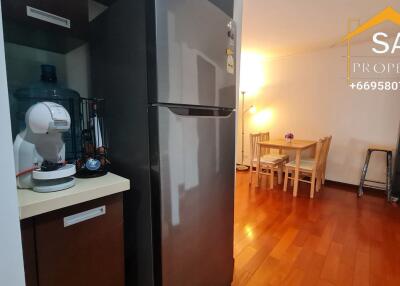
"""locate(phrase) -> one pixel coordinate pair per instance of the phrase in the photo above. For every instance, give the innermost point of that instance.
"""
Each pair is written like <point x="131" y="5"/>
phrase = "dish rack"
<point x="93" y="161"/>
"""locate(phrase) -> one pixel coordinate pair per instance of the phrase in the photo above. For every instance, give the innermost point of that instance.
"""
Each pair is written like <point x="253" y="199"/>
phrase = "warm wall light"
<point x="263" y="117"/>
<point x="252" y="72"/>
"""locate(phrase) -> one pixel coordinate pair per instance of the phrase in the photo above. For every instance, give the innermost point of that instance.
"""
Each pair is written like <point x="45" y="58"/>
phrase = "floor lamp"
<point x="241" y="166"/>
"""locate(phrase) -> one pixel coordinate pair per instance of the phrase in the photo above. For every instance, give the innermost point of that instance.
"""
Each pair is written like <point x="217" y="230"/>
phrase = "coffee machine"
<point x="39" y="150"/>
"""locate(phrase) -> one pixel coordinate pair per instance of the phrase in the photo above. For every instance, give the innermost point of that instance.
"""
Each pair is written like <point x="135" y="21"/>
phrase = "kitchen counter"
<point x="32" y="203"/>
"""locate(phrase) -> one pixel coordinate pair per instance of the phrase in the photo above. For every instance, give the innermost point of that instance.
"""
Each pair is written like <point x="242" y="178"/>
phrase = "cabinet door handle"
<point x="86" y="215"/>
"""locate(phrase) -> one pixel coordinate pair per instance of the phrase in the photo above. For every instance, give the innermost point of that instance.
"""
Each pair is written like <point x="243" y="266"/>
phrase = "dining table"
<point x="297" y="145"/>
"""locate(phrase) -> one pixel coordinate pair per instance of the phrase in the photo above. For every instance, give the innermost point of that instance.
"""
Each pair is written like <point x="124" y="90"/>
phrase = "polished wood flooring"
<point x="334" y="239"/>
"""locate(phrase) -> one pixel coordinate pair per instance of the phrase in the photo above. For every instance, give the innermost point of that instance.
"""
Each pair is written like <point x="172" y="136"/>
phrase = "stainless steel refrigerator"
<point x="166" y="69"/>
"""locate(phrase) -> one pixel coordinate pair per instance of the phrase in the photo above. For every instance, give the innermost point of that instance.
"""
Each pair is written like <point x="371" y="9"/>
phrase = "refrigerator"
<point x="166" y="69"/>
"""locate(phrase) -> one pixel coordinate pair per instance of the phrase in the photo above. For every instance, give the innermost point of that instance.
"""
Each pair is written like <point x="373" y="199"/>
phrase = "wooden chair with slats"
<point x="326" y="152"/>
<point x="309" y="168"/>
<point x="269" y="163"/>
<point x="324" y="159"/>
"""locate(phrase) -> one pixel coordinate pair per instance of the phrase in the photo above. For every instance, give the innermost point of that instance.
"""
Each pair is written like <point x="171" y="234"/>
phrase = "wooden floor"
<point x="334" y="239"/>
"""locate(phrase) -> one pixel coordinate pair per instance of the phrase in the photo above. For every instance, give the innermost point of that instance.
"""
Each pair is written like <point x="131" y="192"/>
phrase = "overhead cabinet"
<point x="53" y="25"/>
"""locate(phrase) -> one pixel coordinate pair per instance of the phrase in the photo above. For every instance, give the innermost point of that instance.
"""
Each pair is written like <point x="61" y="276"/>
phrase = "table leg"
<point x="297" y="172"/>
<point x="258" y="165"/>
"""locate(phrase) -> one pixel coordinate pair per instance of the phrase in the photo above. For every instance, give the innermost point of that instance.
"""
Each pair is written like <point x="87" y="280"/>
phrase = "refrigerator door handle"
<point x="200" y="112"/>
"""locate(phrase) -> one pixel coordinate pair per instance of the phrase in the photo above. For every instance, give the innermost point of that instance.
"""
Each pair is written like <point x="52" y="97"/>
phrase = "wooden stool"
<point x="386" y="186"/>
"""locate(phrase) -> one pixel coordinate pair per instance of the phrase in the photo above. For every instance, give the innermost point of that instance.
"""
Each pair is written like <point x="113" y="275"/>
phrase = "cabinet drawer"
<point x="82" y="245"/>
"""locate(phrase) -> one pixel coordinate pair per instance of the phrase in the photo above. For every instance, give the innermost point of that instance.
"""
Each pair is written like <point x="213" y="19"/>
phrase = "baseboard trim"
<point x="341" y="185"/>
<point x="354" y="188"/>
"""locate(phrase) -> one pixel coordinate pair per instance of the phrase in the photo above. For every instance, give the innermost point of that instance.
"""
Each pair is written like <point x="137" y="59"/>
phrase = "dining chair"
<point x="324" y="158"/>
<point x="311" y="168"/>
<point x="269" y="162"/>
<point x="326" y="152"/>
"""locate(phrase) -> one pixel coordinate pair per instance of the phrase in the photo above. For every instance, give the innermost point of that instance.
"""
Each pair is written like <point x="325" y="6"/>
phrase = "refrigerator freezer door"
<point x="195" y="51"/>
<point x="196" y="186"/>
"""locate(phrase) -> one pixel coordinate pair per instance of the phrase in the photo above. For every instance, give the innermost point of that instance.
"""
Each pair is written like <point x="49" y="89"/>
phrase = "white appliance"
<point x="39" y="150"/>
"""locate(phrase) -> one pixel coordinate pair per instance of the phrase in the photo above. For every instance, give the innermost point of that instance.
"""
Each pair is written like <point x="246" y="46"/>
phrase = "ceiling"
<point x="285" y="27"/>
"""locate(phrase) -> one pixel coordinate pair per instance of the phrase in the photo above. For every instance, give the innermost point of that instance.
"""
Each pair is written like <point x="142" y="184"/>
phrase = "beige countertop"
<point x="32" y="203"/>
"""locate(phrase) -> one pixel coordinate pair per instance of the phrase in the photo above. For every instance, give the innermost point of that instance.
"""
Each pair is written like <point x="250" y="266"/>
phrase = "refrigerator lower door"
<point x="196" y="193"/>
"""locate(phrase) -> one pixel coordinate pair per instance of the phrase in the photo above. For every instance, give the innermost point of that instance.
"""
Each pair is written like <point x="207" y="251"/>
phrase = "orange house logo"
<point x="380" y="40"/>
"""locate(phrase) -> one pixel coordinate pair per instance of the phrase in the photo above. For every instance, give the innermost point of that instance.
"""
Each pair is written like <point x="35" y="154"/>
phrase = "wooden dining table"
<point x="281" y="144"/>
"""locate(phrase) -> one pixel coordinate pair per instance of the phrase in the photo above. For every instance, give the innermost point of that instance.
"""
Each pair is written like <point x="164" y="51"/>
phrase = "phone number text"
<point x="375" y="85"/>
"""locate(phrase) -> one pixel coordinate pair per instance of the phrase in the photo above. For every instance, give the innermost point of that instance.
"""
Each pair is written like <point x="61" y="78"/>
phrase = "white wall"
<point x="308" y="95"/>
<point x="11" y="263"/>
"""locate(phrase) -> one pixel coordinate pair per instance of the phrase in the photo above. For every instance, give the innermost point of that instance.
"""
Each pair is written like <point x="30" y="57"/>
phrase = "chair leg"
<point x="286" y="180"/>
<point x="271" y="178"/>
<point x="251" y="175"/>
<point x="389" y="176"/>
<point x="323" y="176"/>
<point x="280" y="173"/>
<point x="291" y="181"/>
<point x="312" y="185"/>
<point x="364" y="174"/>
<point x="319" y="181"/>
